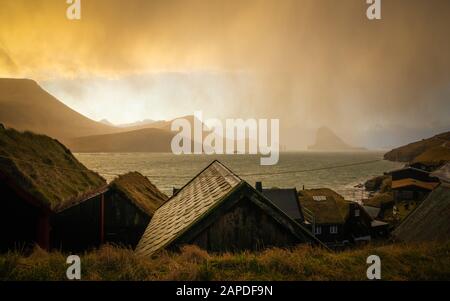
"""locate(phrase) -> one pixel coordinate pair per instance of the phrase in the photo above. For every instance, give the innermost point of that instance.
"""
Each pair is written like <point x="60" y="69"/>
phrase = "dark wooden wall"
<point x="77" y="228"/>
<point x="244" y="227"/>
<point x="331" y="238"/>
<point x="124" y="222"/>
<point x="18" y="221"/>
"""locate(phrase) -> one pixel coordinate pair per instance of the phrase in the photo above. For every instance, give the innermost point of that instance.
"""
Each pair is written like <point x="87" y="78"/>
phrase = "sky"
<point x="310" y="63"/>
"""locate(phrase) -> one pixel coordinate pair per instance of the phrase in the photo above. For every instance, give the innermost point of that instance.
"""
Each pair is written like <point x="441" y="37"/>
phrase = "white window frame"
<point x="334" y="229"/>
<point x="318" y="230"/>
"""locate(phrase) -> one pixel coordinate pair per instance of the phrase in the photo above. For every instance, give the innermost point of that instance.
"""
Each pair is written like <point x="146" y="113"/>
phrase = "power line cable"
<point x="185" y="177"/>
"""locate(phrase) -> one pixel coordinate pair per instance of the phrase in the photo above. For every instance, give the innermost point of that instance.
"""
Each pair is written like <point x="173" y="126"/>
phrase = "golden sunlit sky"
<point x="310" y="63"/>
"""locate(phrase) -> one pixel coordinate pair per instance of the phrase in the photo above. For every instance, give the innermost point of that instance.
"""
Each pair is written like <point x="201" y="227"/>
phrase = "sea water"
<point x="167" y="170"/>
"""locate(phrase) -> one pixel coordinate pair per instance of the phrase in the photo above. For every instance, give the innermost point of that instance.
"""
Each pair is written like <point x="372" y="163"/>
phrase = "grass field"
<point x="398" y="262"/>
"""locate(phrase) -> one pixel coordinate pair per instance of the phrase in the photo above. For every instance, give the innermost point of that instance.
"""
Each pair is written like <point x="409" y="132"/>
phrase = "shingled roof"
<point x="197" y="199"/>
<point x="140" y="191"/>
<point x="430" y="220"/>
<point x="45" y="170"/>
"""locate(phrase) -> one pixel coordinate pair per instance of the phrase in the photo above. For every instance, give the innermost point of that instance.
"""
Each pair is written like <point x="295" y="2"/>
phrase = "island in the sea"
<point x="327" y="140"/>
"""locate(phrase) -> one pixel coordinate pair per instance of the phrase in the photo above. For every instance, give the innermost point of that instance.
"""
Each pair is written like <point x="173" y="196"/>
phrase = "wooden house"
<point x="337" y="222"/>
<point x="131" y="202"/>
<point x="431" y="219"/>
<point x="51" y="199"/>
<point x="412" y="185"/>
<point x="40" y="184"/>
<point x="284" y="198"/>
<point x="219" y="212"/>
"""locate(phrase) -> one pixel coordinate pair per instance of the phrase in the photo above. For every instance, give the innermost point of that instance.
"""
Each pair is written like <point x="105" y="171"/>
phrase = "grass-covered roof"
<point x="45" y="169"/>
<point x="140" y="191"/>
<point x="328" y="206"/>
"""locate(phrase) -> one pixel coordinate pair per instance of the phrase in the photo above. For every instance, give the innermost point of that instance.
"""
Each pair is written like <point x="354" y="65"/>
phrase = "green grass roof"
<point x="331" y="210"/>
<point x="45" y="168"/>
<point x="140" y="191"/>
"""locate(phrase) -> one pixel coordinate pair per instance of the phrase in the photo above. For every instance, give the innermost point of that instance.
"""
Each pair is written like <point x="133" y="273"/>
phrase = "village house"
<point x="219" y="212"/>
<point x="39" y="180"/>
<point x="337" y="222"/>
<point x="410" y="186"/>
<point x="132" y="201"/>
<point x="51" y="199"/>
<point x="284" y="198"/>
<point x="430" y="221"/>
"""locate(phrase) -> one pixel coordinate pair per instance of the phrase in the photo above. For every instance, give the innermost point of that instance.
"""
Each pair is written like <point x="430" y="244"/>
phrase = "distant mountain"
<point x="144" y="140"/>
<point x="106" y="121"/>
<point x="434" y="151"/>
<point x="327" y="140"/>
<point x="24" y="105"/>
<point x="142" y="124"/>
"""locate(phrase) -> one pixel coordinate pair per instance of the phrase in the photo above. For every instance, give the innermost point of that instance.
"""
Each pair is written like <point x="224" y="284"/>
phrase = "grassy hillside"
<point x="434" y="151"/>
<point x="399" y="262"/>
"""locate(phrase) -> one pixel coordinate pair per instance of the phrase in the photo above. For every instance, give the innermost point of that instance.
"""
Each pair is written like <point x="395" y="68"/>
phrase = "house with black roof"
<point x="284" y="198"/>
<point x="220" y="212"/>
<point x="410" y="186"/>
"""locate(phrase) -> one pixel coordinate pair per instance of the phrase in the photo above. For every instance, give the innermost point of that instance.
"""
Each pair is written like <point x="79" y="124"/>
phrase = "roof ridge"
<point x="197" y="175"/>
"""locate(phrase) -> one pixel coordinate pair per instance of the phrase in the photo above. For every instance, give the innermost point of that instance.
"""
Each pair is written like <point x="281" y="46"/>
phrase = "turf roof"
<point x="45" y="169"/>
<point x="332" y="209"/>
<point x="140" y="191"/>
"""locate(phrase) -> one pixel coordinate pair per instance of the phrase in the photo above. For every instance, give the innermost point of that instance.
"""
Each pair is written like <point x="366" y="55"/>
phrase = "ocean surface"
<point x="167" y="170"/>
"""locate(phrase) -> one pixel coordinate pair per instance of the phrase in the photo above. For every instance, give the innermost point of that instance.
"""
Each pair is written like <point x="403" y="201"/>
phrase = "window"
<point x="333" y="229"/>
<point x="318" y="230"/>
<point x="357" y="213"/>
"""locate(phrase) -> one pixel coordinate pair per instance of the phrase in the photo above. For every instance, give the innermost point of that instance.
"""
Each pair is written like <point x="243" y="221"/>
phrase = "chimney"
<point x="174" y="190"/>
<point x="354" y="209"/>
<point x="258" y="186"/>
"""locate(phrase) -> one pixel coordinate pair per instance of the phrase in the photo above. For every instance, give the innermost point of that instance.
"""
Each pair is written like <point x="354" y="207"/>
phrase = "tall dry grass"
<point x="429" y="261"/>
